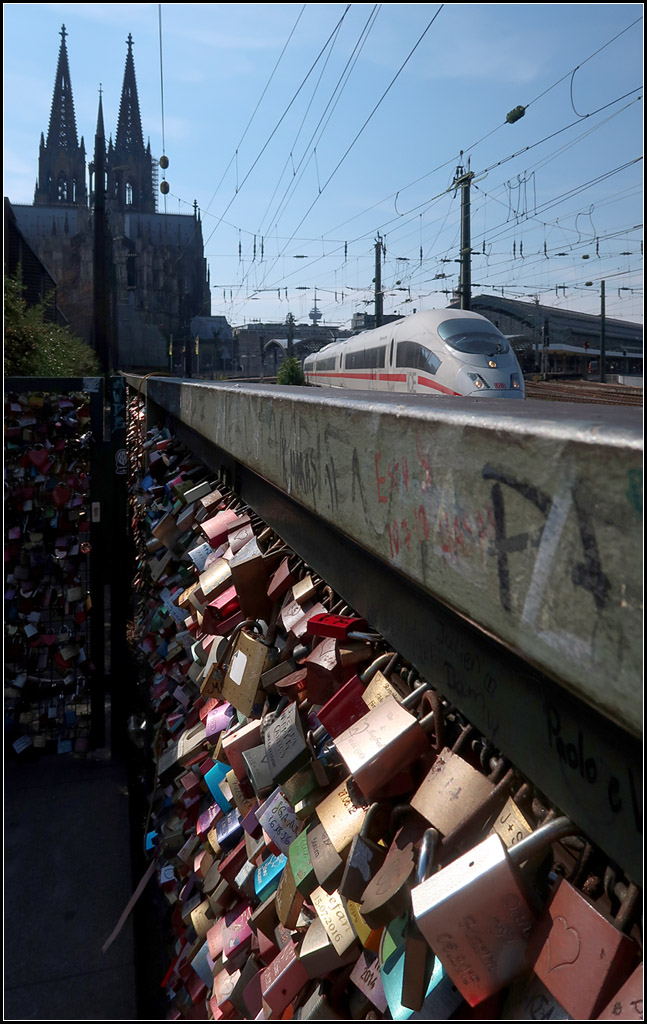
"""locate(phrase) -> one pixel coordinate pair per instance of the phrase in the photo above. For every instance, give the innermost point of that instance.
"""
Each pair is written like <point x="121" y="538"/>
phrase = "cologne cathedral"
<point x="158" y="274"/>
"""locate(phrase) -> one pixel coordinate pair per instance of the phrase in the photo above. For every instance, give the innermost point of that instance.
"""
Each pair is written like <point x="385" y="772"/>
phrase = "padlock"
<point x="365" y="857"/>
<point x="257" y="770"/>
<point x="237" y="934"/>
<point x="252" y="995"/>
<point x="318" y="954"/>
<point x="419" y="958"/>
<point x="456" y="798"/>
<point x="242" y="679"/>
<point x="306" y="588"/>
<point x="264" y="918"/>
<point x="283" y="578"/>
<point x="332" y="914"/>
<point x="221" y="610"/>
<point x="324" y="672"/>
<point x="316" y="1007"/>
<point x="311" y="781"/>
<point x="237" y="740"/>
<point x="285" y="743"/>
<point x="627" y="1003"/>
<point x="342" y="813"/>
<point x="215" y="579"/>
<point x="442" y="998"/>
<point x="246" y="994"/>
<point x="366" y="976"/>
<point x="268" y="876"/>
<point x="348" y="705"/>
<point x="529" y="999"/>
<point x="301" y="864"/>
<point x="223" y="985"/>
<point x="240" y="534"/>
<point x="295" y="618"/>
<point x="281" y="981"/>
<point x="382" y="743"/>
<point x="581" y="957"/>
<point x="218" y="661"/>
<point x="387" y="895"/>
<point x="368" y="936"/>
<point x="279" y="821"/>
<point x="477" y="915"/>
<point x="328" y="865"/>
<point x="229" y="830"/>
<point x="337" y="626"/>
<point x="289" y="900"/>
<point x="250" y="572"/>
<point x="217" y="527"/>
<point x="510" y="824"/>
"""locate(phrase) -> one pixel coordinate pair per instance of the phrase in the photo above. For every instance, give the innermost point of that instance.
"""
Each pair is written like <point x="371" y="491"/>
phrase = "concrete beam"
<point x="523" y="517"/>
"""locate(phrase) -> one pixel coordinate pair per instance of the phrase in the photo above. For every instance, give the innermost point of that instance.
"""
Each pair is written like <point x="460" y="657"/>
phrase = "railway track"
<point x="584" y="391"/>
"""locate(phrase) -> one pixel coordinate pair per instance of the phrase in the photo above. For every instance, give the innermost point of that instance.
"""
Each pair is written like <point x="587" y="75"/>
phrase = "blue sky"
<point x="303" y="131"/>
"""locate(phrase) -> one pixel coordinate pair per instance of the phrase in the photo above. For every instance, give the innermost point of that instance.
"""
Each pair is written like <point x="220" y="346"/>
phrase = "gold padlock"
<point x="242" y="680"/>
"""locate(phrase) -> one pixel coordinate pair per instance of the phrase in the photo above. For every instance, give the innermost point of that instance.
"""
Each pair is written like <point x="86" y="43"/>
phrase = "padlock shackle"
<point x="370" y="637"/>
<point x="232" y="638"/>
<point x="370" y="816"/>
<point x="412" y="699"/>
<point x="539" y="840"/>
<point x="374" y="667"/>
<point x="427" y="856"/>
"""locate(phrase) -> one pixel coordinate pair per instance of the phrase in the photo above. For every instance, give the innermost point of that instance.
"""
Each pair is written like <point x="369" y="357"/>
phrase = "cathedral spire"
<point x="61" y="164"/>
<point x="100" y="132"/>
<point x="129" y="128"/>
<point x="130" y="169"/>
<point x="62" y="121"/>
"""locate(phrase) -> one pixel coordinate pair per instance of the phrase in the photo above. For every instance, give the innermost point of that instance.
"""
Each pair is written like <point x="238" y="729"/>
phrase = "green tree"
<point x="290" y="372"/>
<point x="33" y="347"/>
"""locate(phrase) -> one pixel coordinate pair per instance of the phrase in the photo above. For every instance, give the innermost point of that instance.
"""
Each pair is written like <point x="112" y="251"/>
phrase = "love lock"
<point x="477" y="913"/>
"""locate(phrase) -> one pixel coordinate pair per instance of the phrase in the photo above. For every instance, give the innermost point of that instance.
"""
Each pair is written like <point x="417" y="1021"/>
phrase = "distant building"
<point x="366" y="321"/>
<point x="215" y="345"/>
<point x="260" y="348"/>
<point x="159" y="275"/>
<point x="566" y="340"/>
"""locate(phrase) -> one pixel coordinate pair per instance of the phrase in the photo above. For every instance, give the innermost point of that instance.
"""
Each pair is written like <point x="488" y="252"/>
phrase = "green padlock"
<point x="301" y="864"/>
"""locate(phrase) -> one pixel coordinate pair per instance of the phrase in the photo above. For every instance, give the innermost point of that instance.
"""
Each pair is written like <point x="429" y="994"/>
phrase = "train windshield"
<point x="478" y="337"/>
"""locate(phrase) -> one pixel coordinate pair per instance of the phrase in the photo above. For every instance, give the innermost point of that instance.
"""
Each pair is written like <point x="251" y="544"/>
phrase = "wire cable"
<point x="366" y="122"/>
<point x="279" y="122"/>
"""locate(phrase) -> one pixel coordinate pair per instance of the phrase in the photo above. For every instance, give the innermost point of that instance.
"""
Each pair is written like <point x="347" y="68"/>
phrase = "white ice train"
<point x="438" y="351"/>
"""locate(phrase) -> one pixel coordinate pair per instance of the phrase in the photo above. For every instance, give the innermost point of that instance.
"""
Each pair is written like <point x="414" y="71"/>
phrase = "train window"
<point x="366" y="359"/>
<point x="411" y="353"/>
<point x="478" y="337"/>
<point x="325" y="364"/>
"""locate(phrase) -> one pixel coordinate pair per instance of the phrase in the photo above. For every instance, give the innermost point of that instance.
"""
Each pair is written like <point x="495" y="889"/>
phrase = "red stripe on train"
<point x="437" y="387"/>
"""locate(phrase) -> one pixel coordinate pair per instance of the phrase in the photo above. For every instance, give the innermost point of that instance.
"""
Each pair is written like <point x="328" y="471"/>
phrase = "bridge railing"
<point x="497" y="545"/>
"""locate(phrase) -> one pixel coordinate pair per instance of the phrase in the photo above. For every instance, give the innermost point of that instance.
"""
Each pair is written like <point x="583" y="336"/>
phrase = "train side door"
<point x="391" y="384"/>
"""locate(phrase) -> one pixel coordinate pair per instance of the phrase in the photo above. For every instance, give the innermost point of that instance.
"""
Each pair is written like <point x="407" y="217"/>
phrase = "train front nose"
<point x="496" y="383"/>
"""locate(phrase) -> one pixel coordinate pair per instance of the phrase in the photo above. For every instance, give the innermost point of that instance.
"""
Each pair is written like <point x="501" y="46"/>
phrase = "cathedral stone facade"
<point x="158" y="274"/>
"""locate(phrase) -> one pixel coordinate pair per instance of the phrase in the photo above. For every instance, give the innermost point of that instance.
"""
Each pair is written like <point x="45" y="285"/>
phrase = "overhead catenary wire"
<point x="369" y="118"/>
<point x="159" y="14"/>
<point x="280" y="121"/>
<point x="510" y="158"/>
<point x="340" y="85"/>
<point x="255" y="111"/>
<point x="564" y="197"/>
<point x="337" y="91"/>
